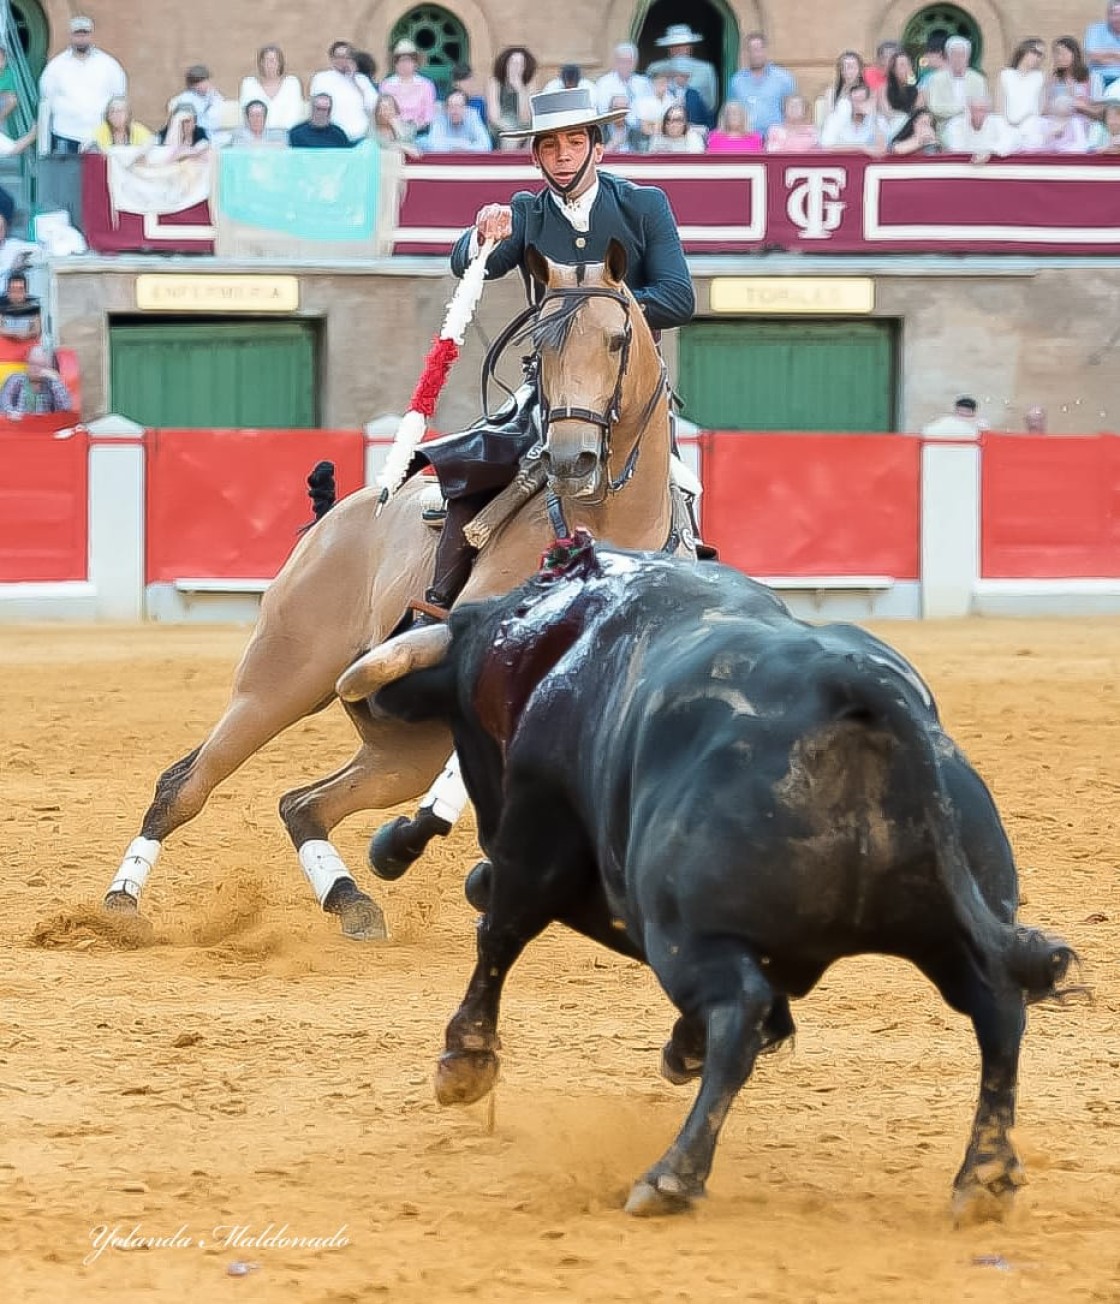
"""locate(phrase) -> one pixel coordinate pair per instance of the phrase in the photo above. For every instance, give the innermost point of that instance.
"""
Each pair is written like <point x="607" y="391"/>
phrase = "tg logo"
<point x="813" y="201"/>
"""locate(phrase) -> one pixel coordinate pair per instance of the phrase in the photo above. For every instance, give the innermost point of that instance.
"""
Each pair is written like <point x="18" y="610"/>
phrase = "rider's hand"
<point x="494" y="222"/>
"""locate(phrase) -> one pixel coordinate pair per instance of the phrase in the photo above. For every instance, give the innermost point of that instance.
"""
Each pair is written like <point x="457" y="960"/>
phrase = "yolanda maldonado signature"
<point x="225" y="1236"/>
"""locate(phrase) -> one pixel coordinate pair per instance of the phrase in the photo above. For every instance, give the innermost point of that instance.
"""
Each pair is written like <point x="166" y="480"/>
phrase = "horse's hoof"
<point x="398" y="844"/>
<point x="476" y="888"/>
<point x="464" y="1076"/>
<point x="665" y="1194"/>
<point x="678" y="1069"/>
<point x="121" y="903"/>
<point x="359" y="916"/>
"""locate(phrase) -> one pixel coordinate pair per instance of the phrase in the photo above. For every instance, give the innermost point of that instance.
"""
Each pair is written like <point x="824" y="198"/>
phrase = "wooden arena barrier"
<point x="44" y="491"/>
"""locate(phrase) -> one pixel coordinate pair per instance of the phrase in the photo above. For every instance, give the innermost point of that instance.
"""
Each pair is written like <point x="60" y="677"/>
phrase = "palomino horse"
<point x="605" y="416"/>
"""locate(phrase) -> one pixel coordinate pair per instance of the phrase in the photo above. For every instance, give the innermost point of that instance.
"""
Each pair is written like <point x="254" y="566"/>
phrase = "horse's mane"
<point x="552" y="331"/>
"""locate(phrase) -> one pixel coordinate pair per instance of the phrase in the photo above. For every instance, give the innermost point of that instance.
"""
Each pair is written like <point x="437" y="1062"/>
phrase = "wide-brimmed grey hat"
<point x="680" y="34"/>
<point x="564" y="111"/>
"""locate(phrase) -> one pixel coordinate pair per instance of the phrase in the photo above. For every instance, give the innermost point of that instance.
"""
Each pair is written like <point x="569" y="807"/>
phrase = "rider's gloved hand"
<point x="494" y="222"/>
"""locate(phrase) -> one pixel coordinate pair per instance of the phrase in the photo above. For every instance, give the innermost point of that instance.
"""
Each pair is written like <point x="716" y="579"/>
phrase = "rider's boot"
<point x="454" y="560"/>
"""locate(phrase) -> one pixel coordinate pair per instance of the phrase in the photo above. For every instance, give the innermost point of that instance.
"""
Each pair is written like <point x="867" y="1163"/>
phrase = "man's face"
<point x="341" y="58"/>
<point x="1114" y="19"/>
<point x="756" y="54"/>
<point x="321" y="110"/>
<point x="978" y="115"/>
<point x="562" y="153"/>
<point x="624" y="64"/>
<point x="958" y="60"/>
<point x="405" y="65"/>
<point x="860" y="103"/>
<point x="675" y="51"/>
<point x="80" y="41"/>
<point x="255" y="118"/>
<point x="36" y="365"/>
<point x="456" y="108"/>
<point x="17" y="290"/>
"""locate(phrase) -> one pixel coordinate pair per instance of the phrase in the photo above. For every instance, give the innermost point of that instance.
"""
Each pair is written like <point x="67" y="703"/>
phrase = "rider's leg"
<point x="454" y="555"/>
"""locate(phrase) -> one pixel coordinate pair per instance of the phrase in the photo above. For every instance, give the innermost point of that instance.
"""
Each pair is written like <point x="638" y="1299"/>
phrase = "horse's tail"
<point x="322" y="491"/>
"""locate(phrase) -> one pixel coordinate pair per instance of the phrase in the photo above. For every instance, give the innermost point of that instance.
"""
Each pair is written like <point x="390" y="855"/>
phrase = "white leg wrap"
<point x="323" y="866"/>
<point x="447" y="797"/>
<point x="138" y="862"/>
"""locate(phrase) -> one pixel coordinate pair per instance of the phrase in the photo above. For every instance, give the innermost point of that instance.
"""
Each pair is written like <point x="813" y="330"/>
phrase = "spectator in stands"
<point x="855" y="126"/>
<point x="620" y="137"/>
<point x="38" y="390"/>
<point x="21" y="322"/>
<point x="569" y="78"/>
<point x="118" y="128"/>
<point x="875" y="75"/>
<point x="390" y="130"/>
<point x="507" y="94"/>
<point x="733" y="133"/>
<point x="319" y="132"/>
<point x="979" y="132"/>
<point x="457" y="129"/>
<point x="677" y="135"/>
<point x="1061" y="130"/>
<point x="697" y="110"/>
<point x="15" y="254"/>
<point x="849" y="73"/>
<point x="352" y="95"/>
<point x="1069" y="75"/>
<point x="678" y="42"/>
<point x="950" y="90"/>
<point x="183" y="135"/>
<point x="899" y="97"/>
<point x="414" y="93"/>
<point x="1021" y="85"/>
<point x="623" y="79"/>
<point x="9" y="148"/>
<point x="76" y="85"/>
<point x="917" y="135"/>
<point x="652" y="108"/>
<point x="1102" y="46"/>
<point x="933" y="58"/>
<point x="365" y="65"/>
<point x="762" y="87"/>
<point x="9" y="97"/>
<point x="795" y="134"/>
<point x="462" y="79"/>
<point x="962" y="424"/>
<point x="205" y="98"/>
<point x="1035" y="423"/>
<point x="280" y="92"/>
<point x="1104" y="137"/>
<point x="255" y="132"/>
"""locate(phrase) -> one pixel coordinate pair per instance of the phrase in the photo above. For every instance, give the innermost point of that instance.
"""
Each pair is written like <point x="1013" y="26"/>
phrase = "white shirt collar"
<point x="577" y="211"/>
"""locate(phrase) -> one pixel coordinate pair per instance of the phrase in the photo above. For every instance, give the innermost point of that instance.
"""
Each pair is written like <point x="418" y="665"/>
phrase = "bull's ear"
<point x="537" y="264"/>
<point x="616" y="262"/>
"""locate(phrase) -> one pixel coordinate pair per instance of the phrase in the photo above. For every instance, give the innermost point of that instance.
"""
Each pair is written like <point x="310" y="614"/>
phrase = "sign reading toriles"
<point x="779" y="295"/>
<point x="185" y="293"/>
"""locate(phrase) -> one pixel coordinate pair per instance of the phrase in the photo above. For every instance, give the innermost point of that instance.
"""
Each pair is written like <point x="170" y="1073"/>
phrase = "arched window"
<point x="439" y="36"/>
<point x="31" y="28"/>
<point x="713" y="19"/>
<point x="950" y="19"/>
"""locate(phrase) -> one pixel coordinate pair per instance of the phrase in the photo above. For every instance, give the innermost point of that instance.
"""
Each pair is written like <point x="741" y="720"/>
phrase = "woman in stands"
<point x="918" y="135"/>
<point x="280" y="92"/>
<point x="183" y="137"/>
<point x="849" y="73"/>
<point x="795" y="134"/>
<point x="733" y="133"/>
<point x="1105" y="136"/>
<point x="118" y="128"/>
<point x="1069" y="76"/>
<point x="899" y="97"/>
<point x="390" y="130"/>
<point x="507" y="94"/>
<point x="676" y="135"/>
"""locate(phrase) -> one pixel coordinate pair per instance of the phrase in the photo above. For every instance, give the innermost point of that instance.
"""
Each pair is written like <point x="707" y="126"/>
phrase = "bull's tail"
<point x="1030" y="959"/>
<point x="322" y="491"/>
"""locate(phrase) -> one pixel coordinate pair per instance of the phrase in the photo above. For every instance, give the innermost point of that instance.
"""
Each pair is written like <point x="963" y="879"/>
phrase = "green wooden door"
<point x="215" y="374"/>
<point x="789" y="375"/>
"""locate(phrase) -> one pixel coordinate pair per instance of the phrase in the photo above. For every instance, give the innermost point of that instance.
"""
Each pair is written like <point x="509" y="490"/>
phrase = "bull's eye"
<point x="617" y="341"/>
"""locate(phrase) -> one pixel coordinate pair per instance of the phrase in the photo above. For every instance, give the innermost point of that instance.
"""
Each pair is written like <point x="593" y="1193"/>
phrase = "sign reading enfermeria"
<point x="184" y="293"/>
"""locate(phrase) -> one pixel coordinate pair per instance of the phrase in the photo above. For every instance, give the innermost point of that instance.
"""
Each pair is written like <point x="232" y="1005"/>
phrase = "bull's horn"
<point x="417" y="649"/>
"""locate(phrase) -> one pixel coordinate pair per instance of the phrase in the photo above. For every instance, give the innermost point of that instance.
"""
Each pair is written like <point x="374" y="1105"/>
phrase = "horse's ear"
<point x="537" y="264"/>
<point x="616" y="261"/>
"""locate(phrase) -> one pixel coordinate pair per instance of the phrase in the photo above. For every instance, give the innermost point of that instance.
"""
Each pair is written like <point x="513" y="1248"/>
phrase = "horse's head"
<point x="587" y="335"/>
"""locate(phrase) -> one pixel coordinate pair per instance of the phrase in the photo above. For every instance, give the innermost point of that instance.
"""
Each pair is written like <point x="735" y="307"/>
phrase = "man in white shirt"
<point x="622" y="80"/>
<point x="353" y="95"/>
<point x="980" y="132"/>
<point x="77" y="85"/>
<point x="853" y="125"/>
<point x="204" y="97"/>
<point x="962" y="424"/>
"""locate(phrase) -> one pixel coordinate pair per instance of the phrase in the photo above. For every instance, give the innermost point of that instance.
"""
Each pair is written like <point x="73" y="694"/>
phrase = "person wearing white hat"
<point x="572" y="220"/>
<point x="76" y="85"/>
<point x="414" y="93"/>
<point x="678" y="41"/>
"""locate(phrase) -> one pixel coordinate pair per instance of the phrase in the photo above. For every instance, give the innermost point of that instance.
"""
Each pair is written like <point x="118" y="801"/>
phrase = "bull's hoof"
<point x="654" y="1196"/>
<point x="399" y="844"/>
<point x="677" y="1068"/>
<point x="464" y="1076"/>
<point x="987" y="1194"/>
<point x="359" y="916"/>
<point x="121" y="903"/>
<point x="476" y="888"/>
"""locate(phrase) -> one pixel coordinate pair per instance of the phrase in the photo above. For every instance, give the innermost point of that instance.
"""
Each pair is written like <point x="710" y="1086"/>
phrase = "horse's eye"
<point x="617" y="341"/>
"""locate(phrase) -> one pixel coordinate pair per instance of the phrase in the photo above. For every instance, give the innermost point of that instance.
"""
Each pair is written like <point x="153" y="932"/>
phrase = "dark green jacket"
<point x="638" y="217"/>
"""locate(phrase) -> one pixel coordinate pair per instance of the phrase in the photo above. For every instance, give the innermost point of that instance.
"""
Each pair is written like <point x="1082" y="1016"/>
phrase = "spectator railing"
<point x="26" y="113"/>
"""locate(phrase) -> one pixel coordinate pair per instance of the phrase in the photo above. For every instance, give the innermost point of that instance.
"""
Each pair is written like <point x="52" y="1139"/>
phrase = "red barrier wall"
<point x="228" y="504"/>
<point x="43" y="502"/>
<point x="810" y="504"/>
<point x="1050" y="507"/>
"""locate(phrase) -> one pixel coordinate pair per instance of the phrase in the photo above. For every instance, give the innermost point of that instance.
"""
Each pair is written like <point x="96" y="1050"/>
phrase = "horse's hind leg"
<point x="393" y="764"/>
<point x="183" y="789"/>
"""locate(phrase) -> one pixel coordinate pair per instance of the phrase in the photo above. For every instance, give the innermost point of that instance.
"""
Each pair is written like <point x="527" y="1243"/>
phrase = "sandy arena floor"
<point x="252" y="1070"/>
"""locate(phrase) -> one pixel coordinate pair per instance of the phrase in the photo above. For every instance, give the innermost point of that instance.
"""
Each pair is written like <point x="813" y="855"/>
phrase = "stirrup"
<point x="434" y="516"/>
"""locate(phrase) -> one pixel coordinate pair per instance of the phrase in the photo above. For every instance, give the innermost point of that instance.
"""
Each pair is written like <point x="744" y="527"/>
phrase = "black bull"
<point x="664" y="759"/>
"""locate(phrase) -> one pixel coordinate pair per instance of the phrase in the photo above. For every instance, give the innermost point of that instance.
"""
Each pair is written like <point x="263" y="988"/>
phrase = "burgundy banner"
<point x="814" y="203"/>
<point x="110" y="231"/>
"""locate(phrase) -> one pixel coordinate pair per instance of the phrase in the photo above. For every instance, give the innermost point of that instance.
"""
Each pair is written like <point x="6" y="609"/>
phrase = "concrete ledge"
<point x="212" y="602"/>
<point x="64" y="600"/>
<point x="1063" y="597"/>
<point x="221" y="586"/>
<point x="855" y="597"/>
<point x="827" y="583"/>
